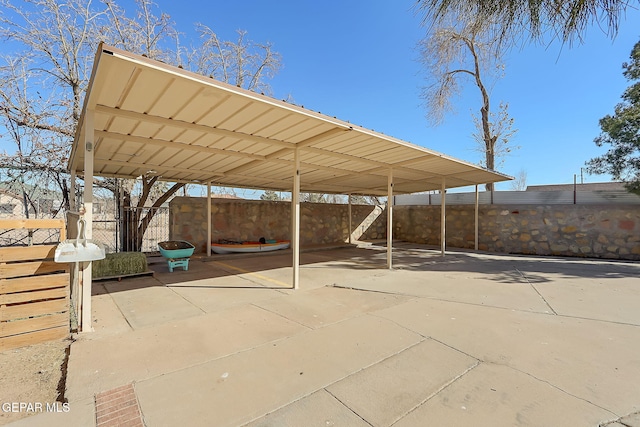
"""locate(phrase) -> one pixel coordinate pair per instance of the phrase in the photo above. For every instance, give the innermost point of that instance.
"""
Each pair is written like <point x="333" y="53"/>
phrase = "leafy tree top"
<point x="621" y="131"/>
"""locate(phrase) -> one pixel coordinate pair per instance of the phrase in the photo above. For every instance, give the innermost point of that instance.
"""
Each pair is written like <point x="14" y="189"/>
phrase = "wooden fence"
<point x="34" y="290"/>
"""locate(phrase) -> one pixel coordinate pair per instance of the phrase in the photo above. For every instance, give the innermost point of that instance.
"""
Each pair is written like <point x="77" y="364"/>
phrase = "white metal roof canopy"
<point x="143" y="117"/>
<point x="152" y="118"/>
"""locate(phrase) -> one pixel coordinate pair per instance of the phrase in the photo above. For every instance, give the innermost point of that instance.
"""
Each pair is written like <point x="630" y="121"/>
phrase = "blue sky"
<point x="357" y="60"/>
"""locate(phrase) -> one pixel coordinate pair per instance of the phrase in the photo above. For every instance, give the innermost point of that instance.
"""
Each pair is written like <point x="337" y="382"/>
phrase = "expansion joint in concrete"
<point x="554" y="386"/>
<point x="456" y="349"/>
<point x="636" y="325"/>
<point x="630" y="420"/>
<point x="348" y="408"/>
<point x="538" y="292"/>
<point x="441" y="389"/>
<point x="282" y="316"/>
<point x="350" y="288"/>
<point x="186" y="300"/>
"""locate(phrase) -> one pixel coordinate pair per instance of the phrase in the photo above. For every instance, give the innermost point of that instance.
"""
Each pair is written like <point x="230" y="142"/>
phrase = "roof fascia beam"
<point x="286" y="183"/>
<point x="314" y="139"/>
<point x="181" y="181"/>
<point x="173" y="144"/>
<point x="343" y="156"/>
<point x="158" y="168"/>
<point x="414" y="160"/>
<point x="461" y="175"/>
<point x="322" y="137"/>
<point x="400" y="169"/>
<point x="118" y="112"/>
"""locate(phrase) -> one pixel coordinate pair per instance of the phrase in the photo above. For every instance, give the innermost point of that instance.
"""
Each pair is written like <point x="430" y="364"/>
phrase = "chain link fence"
<point x="121" y="235"/>
<point x="22" y="237"/>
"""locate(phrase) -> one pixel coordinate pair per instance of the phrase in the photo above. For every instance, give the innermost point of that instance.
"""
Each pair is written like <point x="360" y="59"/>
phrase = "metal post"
<point x="209" y="218"/>
<point x="390" y="219"/>
<point x="89" y="146"/>
<point x="442" y="217"/>
<point x="350" y="224"/>
<point x="476" y="220"/>
<point x="295" y="220"/>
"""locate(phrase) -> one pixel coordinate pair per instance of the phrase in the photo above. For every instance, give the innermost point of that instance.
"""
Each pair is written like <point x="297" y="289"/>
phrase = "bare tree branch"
<point x="452" y="53"/>
<point x="45" y="69"/>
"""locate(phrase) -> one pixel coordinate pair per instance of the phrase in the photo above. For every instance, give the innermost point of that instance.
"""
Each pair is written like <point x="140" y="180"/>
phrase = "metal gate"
<point x="125" y="232"/>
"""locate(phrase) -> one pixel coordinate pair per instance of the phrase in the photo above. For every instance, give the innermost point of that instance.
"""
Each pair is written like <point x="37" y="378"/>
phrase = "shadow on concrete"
<point x="508" y="268"/>
<point x="205" y="268"/>
<point x="125" y="284"/>
<point x="502" y="268"/>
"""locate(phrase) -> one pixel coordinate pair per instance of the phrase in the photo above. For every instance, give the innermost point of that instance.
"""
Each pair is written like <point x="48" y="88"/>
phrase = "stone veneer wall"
<point x="234" y="219"/>
<point x="611" y="231"/>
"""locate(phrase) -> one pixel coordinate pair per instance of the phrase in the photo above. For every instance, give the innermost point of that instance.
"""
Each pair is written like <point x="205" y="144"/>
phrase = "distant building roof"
<point x="592" y="186"/>
<point x="10" y="194"/>
<point x="225" y="196"/>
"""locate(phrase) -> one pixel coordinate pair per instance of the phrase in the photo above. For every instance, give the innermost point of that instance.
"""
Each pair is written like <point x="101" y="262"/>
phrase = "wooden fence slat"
<point x="12" y="312"/>
<point x="33" y="324"/>
<point x="30" y="224"/>
<point x="24" y="284"/>
<point x="34" y="301"/>
<point x="21" y="269"/>
<point x="27" y="253"/>
<point x="22" y="297"/>
<point x="31" y="338"/>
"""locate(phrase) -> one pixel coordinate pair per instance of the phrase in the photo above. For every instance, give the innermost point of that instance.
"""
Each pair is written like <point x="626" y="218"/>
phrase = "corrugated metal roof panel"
<point x="148" y="113"/>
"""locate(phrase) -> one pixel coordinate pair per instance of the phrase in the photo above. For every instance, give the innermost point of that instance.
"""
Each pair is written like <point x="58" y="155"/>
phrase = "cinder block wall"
<point x="251" y="219"/>
<point x="611" y="231"/>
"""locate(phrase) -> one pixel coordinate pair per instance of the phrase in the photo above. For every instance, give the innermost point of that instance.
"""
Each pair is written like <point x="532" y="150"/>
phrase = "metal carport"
<point x="143" y="117"/>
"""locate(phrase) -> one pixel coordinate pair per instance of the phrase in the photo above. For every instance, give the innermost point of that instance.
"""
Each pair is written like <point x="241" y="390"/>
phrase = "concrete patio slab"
<point x="598" y="299"/>
<point x="198" y="270"/>
<point x="320" y="409"/>
<point x="453" y="287"/>
<point x="491" y="395"/>
<point x="323" y="306"/>
<point x="275" y="270"/>
<point x="215" y="297"/>
<point x="239" y="389"/>
<point x="592" y="360"/>
<point x="146" y="302"/>
<point x="107" y="317"/>
<point x="385" y="392"/>
<point x="98" y="365"/>
<point x="466" y="339"/>
<point x="278" y="278"/>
